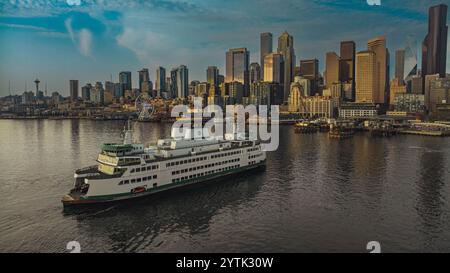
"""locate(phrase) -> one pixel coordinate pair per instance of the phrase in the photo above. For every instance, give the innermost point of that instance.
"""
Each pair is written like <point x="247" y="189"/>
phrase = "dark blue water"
<point x="317" y="194"/>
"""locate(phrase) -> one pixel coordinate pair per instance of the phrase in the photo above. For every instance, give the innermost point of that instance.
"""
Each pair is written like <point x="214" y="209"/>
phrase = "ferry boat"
<point x="342" y="129"/>
<point x="305" y="127"/>
<point x="130" y="170"/>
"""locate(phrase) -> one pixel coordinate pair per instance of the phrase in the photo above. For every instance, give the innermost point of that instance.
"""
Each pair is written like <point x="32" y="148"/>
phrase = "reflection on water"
<point x="317" y="194"/>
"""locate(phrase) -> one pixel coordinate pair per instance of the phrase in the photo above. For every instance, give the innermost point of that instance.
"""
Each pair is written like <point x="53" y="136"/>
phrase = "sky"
<point x="93" y="40"/>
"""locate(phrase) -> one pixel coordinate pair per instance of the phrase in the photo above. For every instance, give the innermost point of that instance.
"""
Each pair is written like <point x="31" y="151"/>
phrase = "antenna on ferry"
<point x="128" y="134"/>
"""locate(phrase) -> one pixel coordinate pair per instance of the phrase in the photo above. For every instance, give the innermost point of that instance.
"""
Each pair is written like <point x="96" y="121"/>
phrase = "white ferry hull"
<point x="71" y="200"/>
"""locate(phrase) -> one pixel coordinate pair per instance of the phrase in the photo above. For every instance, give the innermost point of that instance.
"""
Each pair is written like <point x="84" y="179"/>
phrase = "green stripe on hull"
<point x="173" y="185"/>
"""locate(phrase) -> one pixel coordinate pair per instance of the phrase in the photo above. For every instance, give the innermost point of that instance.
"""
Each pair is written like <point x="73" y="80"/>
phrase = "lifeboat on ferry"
<point x="138" y="190"/>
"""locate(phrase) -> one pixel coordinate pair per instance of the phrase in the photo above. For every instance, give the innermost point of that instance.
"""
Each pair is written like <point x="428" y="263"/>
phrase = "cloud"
<point x="85" y="37"/>
<point x="81" y="39"/>
<point x="24" y="27"/>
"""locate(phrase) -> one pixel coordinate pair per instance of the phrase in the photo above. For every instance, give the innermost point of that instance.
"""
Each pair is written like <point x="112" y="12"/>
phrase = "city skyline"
<point x="62" y="42"/>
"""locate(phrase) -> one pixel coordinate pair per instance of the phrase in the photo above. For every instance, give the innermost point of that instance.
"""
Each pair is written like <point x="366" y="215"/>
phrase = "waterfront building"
<point x="144" y="81"/>
<point x="125" y="81"/>
<point x="434" y="46"/>
<point x="255" y="72"/>
<point x="286" y="49"/>
<point x="302" y="84"/>
<point x="236" y="91"/>
<point x="428" y="80"/>
<point x="266" y="93"/>
<point x="332" y="69"/>
<point x="416" y="85"/>
<point x="381" y="55"/>
<point x="266" y="44"/>
<point x="220" y="79"/>
<point x="396" y="87"/>
<point x="192" y="87"/>
<point x="357" y="110"/>
<point x="347" y="64"/>
<point x="56" y="98"/>
<point x="348" y="91"/>
<point x="212" y="75"/>
<point x="309" y="69"/>
<point x="118" y="92"/>
<point x="73" y="84"/>
<point x="410" y="103"/>
<point x="439" y="93"/>
<point x="86" y="92"/>
<point x="410" y="62"/>
<point x="202" y="89"/>
<point x="366" y="81"/>
<point x="98" y="93"/>
<point x="179" y="82"/>
<point x="160" y="84"/>
<point x="169" y="88"/>
<point x="400" y="64"/>
<point x="336" y="91"/>
<point x="313" y="106"/>
<point x="27" y="97"/>
<point x="273" y="69"/>
<point x="237" y="66"/>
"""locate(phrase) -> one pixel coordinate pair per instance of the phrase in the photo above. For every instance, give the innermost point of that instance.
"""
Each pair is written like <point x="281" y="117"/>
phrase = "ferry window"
<point x="121" y="183"/>
<point x="185" y="161"/>
<point x="126" y="182"/>
<point x="155" y="184"/>
<point x="154" y="167"/>
<point x="149" y="177"/>
<point x="177" y="163"/>
<point x="144" y="179"/>
<point x="155" y="176"/>
<point x="138" y="170"/>
<point x="139" y="180"/>
<point x="190" y="169"/>
<point x="190" y="176"/>
<point x="132" y="170"/>
<point x="133" y="180"/>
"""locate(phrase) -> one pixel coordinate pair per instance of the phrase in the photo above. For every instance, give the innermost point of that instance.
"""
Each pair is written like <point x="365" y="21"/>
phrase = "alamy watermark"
<point x="249" y="122"/>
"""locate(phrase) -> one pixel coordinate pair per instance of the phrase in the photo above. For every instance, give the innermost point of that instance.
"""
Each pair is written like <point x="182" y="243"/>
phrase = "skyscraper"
<point x="182" y="82"/>
<point x="332" y="68"/>
<point x="255" y="72"/>
<point x="309" y="69"/>
<point x="434" y="46"/>
<point x="400" y="64"/>
<point x="73" y="84"/>
<point x="86" y="92"/>
<point x="212" y="75"/>
<point x="237" y="62"/>
<point x="273" y="68"/>
<point x="144" y="79"/>
<point x="266" y="44"/>
<point x="410" y="58"/>
<point x="125" y="81"/>
<point x="286" y="49"/>
<point x="347" y="64"/>
<point x="160" y="80"/>
<point x="366" y="81"/>
<point x="378" y="46"/>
